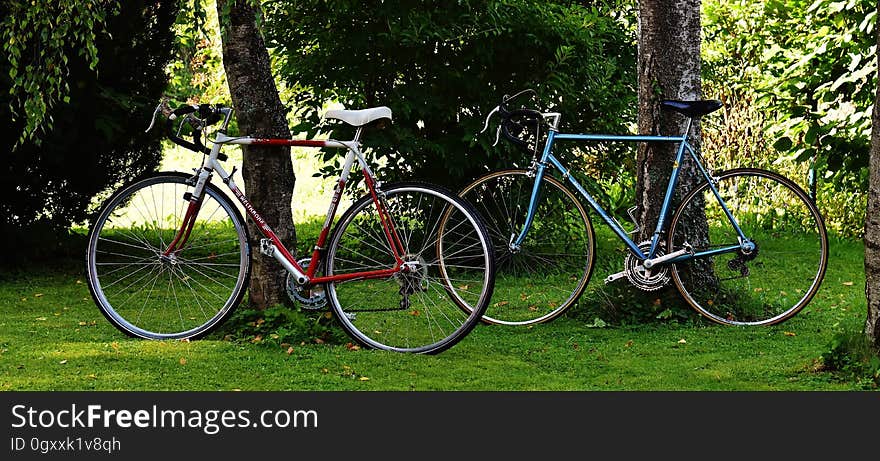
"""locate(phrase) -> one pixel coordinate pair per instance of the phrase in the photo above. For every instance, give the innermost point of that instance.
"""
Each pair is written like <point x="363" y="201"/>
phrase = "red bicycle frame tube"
<point x="185" y="228"/>
<point x="390" y="232"/>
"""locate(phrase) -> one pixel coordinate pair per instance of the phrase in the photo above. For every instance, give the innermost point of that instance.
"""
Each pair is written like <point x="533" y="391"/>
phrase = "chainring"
<point x="646" y="279"/>
<point x="309" y="297"/>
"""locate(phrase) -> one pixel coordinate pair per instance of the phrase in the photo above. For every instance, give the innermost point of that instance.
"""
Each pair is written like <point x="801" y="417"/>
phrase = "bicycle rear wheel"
<point x="769" y="284"/>
<point x="183" y="295"/>
<point x="430" y="307"/>
<point x="550" y="270"/>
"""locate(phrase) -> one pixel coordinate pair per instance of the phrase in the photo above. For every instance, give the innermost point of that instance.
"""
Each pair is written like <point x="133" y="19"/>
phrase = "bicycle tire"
<point x="206" y="279"/>
<point x="553" y="266"/>
<point x="766" y="286"/>
<point x="421" y="312"/>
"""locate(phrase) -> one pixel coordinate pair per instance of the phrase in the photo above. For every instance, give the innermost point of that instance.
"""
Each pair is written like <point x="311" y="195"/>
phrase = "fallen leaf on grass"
<point x="789" y="333"/>
<point x="92" y="376"/>
<point x="629" y="343"/>
<point x="363" y="378"/>
<point x="182" y="361"/>
<point x="63" y="362"/>
<point x="38" y="295"/>
<point x="352" y="346"/>
<point x="501" y="303"/>
<point x="41" y="319"/>
<point x="682" y="341"/>
<point x="849" y="284"/>
<point x="290" y="350"/>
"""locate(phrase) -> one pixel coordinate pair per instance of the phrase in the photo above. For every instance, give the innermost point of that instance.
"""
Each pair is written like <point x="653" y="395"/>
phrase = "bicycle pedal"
<point x="614" y="277"/>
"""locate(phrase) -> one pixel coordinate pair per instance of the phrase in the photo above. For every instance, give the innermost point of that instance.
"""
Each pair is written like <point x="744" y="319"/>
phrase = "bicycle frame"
<point x="275" y="247"/>
<point x="548" y="159"/>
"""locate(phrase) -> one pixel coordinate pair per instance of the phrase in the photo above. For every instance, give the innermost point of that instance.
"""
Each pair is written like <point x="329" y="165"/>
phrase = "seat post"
<point x="687" y="130"/>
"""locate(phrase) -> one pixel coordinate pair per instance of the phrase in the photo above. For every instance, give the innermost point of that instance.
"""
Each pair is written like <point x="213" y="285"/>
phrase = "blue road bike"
<point x="744" y="247"/>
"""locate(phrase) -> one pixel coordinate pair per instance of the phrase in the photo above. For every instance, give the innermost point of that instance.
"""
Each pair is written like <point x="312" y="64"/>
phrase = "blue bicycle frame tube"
<point x="547" y="159"/>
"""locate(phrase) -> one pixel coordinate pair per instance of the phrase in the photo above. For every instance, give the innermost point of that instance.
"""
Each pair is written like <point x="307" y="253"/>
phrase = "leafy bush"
<point x="624" y="304"/>
<point x="798" y="77"/>
<point x="97" y="138"/>
<point x="282" y="325"/>
<point x="851" y="355"/>
<point x="442" y="66"/>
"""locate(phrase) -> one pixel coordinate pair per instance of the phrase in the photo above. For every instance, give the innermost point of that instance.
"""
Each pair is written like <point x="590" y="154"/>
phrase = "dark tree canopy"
<point x="441" y="66"/>
<point x="98" y="138"/>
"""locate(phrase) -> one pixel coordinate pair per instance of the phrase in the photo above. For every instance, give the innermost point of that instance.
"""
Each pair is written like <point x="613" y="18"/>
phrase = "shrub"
<point x="851" y="355"/>
<point x="442" y="66"/>
<point x="97" y="139"/>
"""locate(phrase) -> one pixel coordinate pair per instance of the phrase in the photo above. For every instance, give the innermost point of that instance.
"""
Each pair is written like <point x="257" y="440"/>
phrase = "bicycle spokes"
<point x="770" y="277"/>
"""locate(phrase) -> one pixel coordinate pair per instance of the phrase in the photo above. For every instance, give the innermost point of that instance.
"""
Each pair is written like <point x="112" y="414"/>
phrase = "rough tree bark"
<point x="669" y="68"/>
<point x="267" y="171"/>
<point x="872" y="227"/>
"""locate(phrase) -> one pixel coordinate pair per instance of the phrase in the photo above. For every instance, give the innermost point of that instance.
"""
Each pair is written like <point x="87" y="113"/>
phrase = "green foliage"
<point x="441" y="66"/>
<point x="280" y="324"/>
<point x="623" y="304"/>
<point x="808" y="65"/>
<point x="41" y="38"/>
<point x="196" y="72"/>
<point x="97" y="139"/>
<point x="850" y="354"/>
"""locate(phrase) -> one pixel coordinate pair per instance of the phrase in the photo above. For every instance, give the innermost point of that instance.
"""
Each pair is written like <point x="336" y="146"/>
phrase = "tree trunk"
<point x="669" y="68"/>
<point x="267" y="171"/>
<point x="872" y="227"/>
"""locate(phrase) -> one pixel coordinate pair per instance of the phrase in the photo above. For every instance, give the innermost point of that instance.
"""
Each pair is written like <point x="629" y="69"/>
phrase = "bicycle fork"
<point x="192" y="211"/>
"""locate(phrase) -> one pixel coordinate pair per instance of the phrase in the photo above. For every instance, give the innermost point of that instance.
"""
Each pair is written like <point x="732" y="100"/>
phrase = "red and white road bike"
<point x="408" y="267"/>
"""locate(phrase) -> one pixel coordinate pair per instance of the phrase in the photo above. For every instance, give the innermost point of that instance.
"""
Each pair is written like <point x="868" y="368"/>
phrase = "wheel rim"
<point x="553" y="265"/>
<point x="773" y="282"/>
<point x="373" y="311"/>
<point x="152" y="295"/>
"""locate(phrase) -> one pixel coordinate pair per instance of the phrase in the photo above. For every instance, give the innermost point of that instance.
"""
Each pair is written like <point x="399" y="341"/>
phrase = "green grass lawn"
<point x="52" y="337"/>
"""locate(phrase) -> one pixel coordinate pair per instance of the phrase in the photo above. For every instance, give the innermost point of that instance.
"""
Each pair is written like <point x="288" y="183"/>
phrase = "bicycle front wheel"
<point x="449" y="278"/>
<point x="769" y="284"/>
<point x="149" y="294"/>
<point x="545" y="276"/>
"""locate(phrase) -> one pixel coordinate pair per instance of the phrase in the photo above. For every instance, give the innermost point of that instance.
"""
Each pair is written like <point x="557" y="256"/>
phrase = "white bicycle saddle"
<point x="359" y="117"/>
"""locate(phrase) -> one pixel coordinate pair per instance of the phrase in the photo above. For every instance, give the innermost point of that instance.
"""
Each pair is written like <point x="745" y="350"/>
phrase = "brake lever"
<point x="193" y="121"/>
<point x="486" y="125"/>
<point x="161" y="107"/>
<point x="153" y="121"/>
